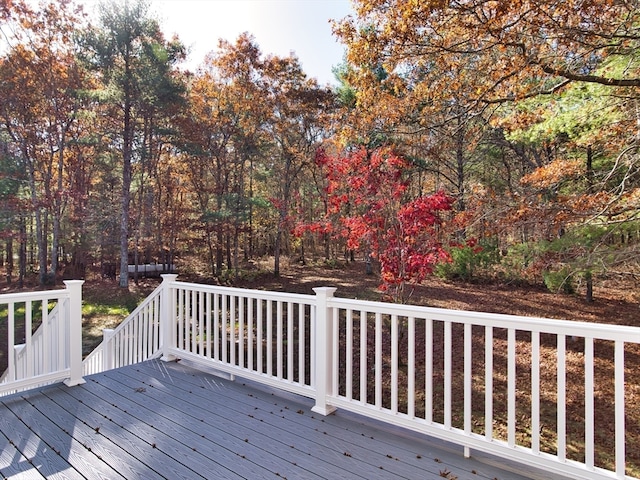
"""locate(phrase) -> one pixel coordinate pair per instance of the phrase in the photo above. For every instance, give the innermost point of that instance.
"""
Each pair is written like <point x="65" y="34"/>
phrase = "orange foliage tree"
<point x="426" y="73"/>
<point x="40" y="85"/>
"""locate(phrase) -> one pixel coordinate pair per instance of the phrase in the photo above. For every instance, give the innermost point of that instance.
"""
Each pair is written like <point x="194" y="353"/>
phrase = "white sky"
<point x="280" y="27"/>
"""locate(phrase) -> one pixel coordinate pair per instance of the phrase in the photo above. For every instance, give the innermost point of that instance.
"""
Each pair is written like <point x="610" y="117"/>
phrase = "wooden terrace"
<point x="331" y="388"/>
<point x="169" y="420"/>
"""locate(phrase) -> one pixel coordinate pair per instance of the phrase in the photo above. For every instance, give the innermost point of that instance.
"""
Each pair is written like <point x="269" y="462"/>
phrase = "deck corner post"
<point x="323" y="351"/>
<point x="167" y="337"/>
<point x="74" y="313"/>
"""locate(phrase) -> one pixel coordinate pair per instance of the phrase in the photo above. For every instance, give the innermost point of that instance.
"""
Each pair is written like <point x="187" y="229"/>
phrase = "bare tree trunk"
<point x="41" y="241"/>
<point x="57" y="213"/>
<point x="127" y="150"/>
<point x="211" y="250"/>
<point x="219" y="251"/>
<point x="227" y="246"/>
<point x="589" y="279"/>
<point x="276" y="252"/>
<point x="22" y="258"/>
<point x="460" y="176"/>
<point x="283" y="210"/>
<point x="124" y="232"/>
<point x="9" y="259"/>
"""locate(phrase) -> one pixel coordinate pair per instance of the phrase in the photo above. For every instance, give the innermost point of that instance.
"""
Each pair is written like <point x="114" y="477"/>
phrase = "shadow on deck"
<point x="169" y="420"/>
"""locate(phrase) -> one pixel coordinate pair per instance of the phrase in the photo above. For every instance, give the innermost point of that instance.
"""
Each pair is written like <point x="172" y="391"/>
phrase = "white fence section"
<point x="547" y="393"/>
<point x="496" y="383"/>
<point x="44" y="337"/>
<point x="51" y="324"/>
<point x="528" y="389"/>
<point x="135" y="340"/>
<point x="264" y="336"/>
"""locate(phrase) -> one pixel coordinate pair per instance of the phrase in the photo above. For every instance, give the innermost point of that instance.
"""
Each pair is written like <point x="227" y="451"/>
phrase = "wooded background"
<point x="473" y="138"/>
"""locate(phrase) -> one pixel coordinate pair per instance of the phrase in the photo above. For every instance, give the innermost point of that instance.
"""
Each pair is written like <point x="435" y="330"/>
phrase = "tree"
<point x="41" y="80"/>
<point x="584" y="199"/>
<point x="522" y="48"/>
<point x="11" y="181"/>
<point x="221" y="138"/>
<point x="494" y="69"/>
<point x="369" y="206"/>
<point x="296" y="123"/>
<point x="133" y="60"/>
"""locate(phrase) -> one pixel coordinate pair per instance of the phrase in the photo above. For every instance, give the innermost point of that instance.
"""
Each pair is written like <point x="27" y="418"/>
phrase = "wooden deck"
<point x="168" y="420"/>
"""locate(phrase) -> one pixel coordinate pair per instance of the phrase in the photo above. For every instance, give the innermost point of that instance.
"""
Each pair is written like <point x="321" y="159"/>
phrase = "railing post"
<point x="108" y="349"/>
<point x="167" y="320"/>
<point x="74" y="288"/>
<point x="323" y="351"/>
<point x="18" y="372"/>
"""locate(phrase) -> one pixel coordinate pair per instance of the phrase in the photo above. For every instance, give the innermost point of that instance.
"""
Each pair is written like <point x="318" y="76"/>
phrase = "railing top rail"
<point x="245" y="292"/>
<point x="536" y="324"/>
<point x="36" y="295"/>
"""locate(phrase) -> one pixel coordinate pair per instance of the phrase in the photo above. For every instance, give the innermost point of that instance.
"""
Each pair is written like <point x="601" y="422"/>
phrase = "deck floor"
<point x="168" y="420"/>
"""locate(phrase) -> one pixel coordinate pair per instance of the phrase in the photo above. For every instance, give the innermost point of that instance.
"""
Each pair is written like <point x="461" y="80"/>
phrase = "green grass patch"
<point x="90" y="310"/>
<point x="20" y="309"/>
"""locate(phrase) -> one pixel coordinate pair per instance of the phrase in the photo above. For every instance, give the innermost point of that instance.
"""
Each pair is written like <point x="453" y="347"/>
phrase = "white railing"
<point x="529" y="389"/>
<point x="135" y="340"/>
<point x="265" y="336"/>
<point x="53" y="351"/>
<point x="51" y="324"/>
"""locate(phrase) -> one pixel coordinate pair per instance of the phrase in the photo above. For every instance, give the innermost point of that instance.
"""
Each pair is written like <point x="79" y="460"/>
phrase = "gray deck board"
<point x="169" y="420"/>
<point x="307" y="434"/>
<point x="60" y="439"/>
<point x="266" y="450"/>
<point x="158" y="450"/>
<point x="12" y="463"/>
<point x="400" y="455"/>
<point x="264" y="423"/>
<point x="177" y="423"/>
<point x="18" y="431"/>
<point x="134" y="461"/>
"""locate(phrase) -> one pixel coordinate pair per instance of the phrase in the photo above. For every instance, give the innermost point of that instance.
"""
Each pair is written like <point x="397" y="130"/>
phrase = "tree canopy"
<point x="462" y="138"/>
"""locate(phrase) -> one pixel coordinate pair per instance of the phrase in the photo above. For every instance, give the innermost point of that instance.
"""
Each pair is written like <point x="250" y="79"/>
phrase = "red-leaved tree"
<point x="369" y="206"/>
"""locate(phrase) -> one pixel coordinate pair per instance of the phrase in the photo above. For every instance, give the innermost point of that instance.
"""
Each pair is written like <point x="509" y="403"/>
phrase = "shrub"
<point x="468" y="260"/>
<point x="559" y="280"/>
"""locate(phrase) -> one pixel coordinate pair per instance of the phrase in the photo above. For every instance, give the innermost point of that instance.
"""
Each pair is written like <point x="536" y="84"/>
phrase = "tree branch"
<point x="608" y="81"/>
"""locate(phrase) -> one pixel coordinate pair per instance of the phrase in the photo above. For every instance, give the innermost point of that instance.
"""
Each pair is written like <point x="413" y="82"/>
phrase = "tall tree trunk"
<point x="57" y="212"/>
<point x="219" y="251"/>
<point x="127" y="152"/>
<point x="590" y="174"/>
<point x="9" y="259"/>
<point x="227" y="247"/>
<point x="236" y="251"/>
<point x="589" y="280"/>
<point x="211" y="251"/>
<point x="283" y="210"/>
<point x="22" y="257"/>
<point x="126" y="194"/>
<point x="41" y="241"/>
<point x="276" y="252"/>
<point x="460" y="176"/>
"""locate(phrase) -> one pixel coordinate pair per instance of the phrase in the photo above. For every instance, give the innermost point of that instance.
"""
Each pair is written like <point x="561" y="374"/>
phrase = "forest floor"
<point x="614" y="302"/>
